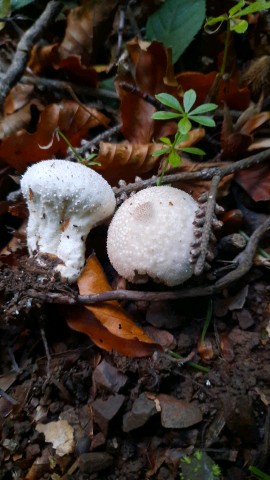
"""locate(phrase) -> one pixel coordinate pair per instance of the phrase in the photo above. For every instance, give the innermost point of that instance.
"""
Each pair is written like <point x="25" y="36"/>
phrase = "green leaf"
<point x="236" y="8"/>
<point x="203" y="120"/>
<point x="164" y="115"/>
<point x="176" y="23"/>
<point x="213" y="20"/>
<point x="206" y="107"/>
<point x="165" y="140"/>
<point x="169" y="101"/>
<point x="259" y="473"/>
<point x="189" y="99"/>
<point x="194" y="150"/>
<point x="4" y="8"/>
<point x="16" y="4"/>
<point x="157" y="153"/>
<point x="239" y="26"/>
<point x="179" y="137"/>
<point x="184" y="126"/>
<point x="174" y="159"/>
<point x="253" y="8"/>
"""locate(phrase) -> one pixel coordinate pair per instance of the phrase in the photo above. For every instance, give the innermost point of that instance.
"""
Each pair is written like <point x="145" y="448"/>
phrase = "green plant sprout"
<point x="87" y="160"/>
<point x="173" y="149"/>
<point x="259" y="474"/>
<point x="199" y="466"/>
<point x="235" y="23"/>
<point x="207" y="320"/>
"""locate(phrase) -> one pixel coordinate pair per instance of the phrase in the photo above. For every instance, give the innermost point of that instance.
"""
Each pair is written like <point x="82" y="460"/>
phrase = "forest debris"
<point x="178" y="413"/>
<point x="143" y="408"/>
<point x="60" y="434"/>
<point x="107" y="376"/>
<point x="94" y="461"/>
<point x="105" y="410"/>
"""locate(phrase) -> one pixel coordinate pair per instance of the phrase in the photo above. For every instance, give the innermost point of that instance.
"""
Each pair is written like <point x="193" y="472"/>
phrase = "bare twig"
<point x="7" y="397"/>
<point x="99" y="138"/>
<point x="47" y="352"/>
<point x="128" y="87"/>
<point x="204" y="174"/>
<point x="61" y="85"/>
<point x="244" y="261"/>
<point x="24" y="47"/>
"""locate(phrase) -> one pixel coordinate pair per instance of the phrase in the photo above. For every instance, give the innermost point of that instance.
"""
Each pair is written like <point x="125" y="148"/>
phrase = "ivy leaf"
<point x="164" y="115"/>
<point x="189" y="99"/>
<point x="174" y="159"/>
<point x="176" y="23"/>
<point x="206" y="107"/>
<point x="203" y="120"/>
<point x="194" y="150"/>
<point x="169" y="101"/>
<point x="184" y="126"/>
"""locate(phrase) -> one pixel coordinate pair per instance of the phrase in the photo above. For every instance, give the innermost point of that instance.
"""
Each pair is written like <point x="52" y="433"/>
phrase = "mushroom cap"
<point x="151" y="234"/>
<point x="61" y="181"/>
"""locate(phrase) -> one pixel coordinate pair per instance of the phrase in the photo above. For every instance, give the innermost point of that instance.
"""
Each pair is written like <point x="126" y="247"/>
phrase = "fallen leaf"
<point x="88" y="26"/>
<point x="151" y="77"/>
<point x="25" y="148"/>
<point x="178" y="413"/>
<point x="106" y="323"/>
<point x="235" y="97"/>
<point x="256" y="182"/>
<point x="126" y="160"/>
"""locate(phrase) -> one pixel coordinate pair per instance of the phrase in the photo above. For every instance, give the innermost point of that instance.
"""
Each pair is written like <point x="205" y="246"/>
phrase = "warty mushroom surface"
<point x="151" y="235"/>
<point x="65" y="200"/>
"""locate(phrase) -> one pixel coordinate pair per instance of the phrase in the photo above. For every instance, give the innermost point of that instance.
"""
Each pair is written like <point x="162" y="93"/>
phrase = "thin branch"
<point x="244" y="261"/>
<point x="95" y="141"/>
<point x="204" y="174"/>
<point x="61" y="85"/>
<point x="24" y="47"/>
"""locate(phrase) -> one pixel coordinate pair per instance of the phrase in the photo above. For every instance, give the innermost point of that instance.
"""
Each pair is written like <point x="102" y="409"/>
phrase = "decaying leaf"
<point x="151" y="77"/>
<point x="23" y="148"/>
<point x="256" y="182"/>
<point x="87" y="28"/>
<point x="106" y="323"/>
<point x="126" y="160"/>
<point x="235" y="97"/>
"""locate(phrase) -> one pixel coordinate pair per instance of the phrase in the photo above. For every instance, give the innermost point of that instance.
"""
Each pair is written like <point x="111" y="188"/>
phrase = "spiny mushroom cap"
<point x="65" y="200"/>
<point x="151" y="234"/>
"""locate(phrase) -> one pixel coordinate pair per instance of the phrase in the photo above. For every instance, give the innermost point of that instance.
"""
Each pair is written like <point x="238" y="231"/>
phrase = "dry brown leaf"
<point x="126" y="160"/>
<point x="106" y="323"/>
<point x="88" y="26"/>
<point x="153" y="74"/>
<point x="23" y="148"/>
<point x="235" y="97"/>
<point x="19" y="119"/>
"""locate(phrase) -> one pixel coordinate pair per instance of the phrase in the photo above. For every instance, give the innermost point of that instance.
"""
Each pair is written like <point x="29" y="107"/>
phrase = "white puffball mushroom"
<point x="151" y="234"/>
<point x="65" y="201"/>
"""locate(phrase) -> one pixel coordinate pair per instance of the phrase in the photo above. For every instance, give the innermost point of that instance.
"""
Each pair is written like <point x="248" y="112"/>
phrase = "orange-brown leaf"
<point x="106" y="323"/>
<point x="23" y="148"/>
<point x="87" y="29"/>
<point x="256" y="182"/>
<point x="153" y="74"/>
<point x="126" y="160"/>
<point x="235" y="97"/>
